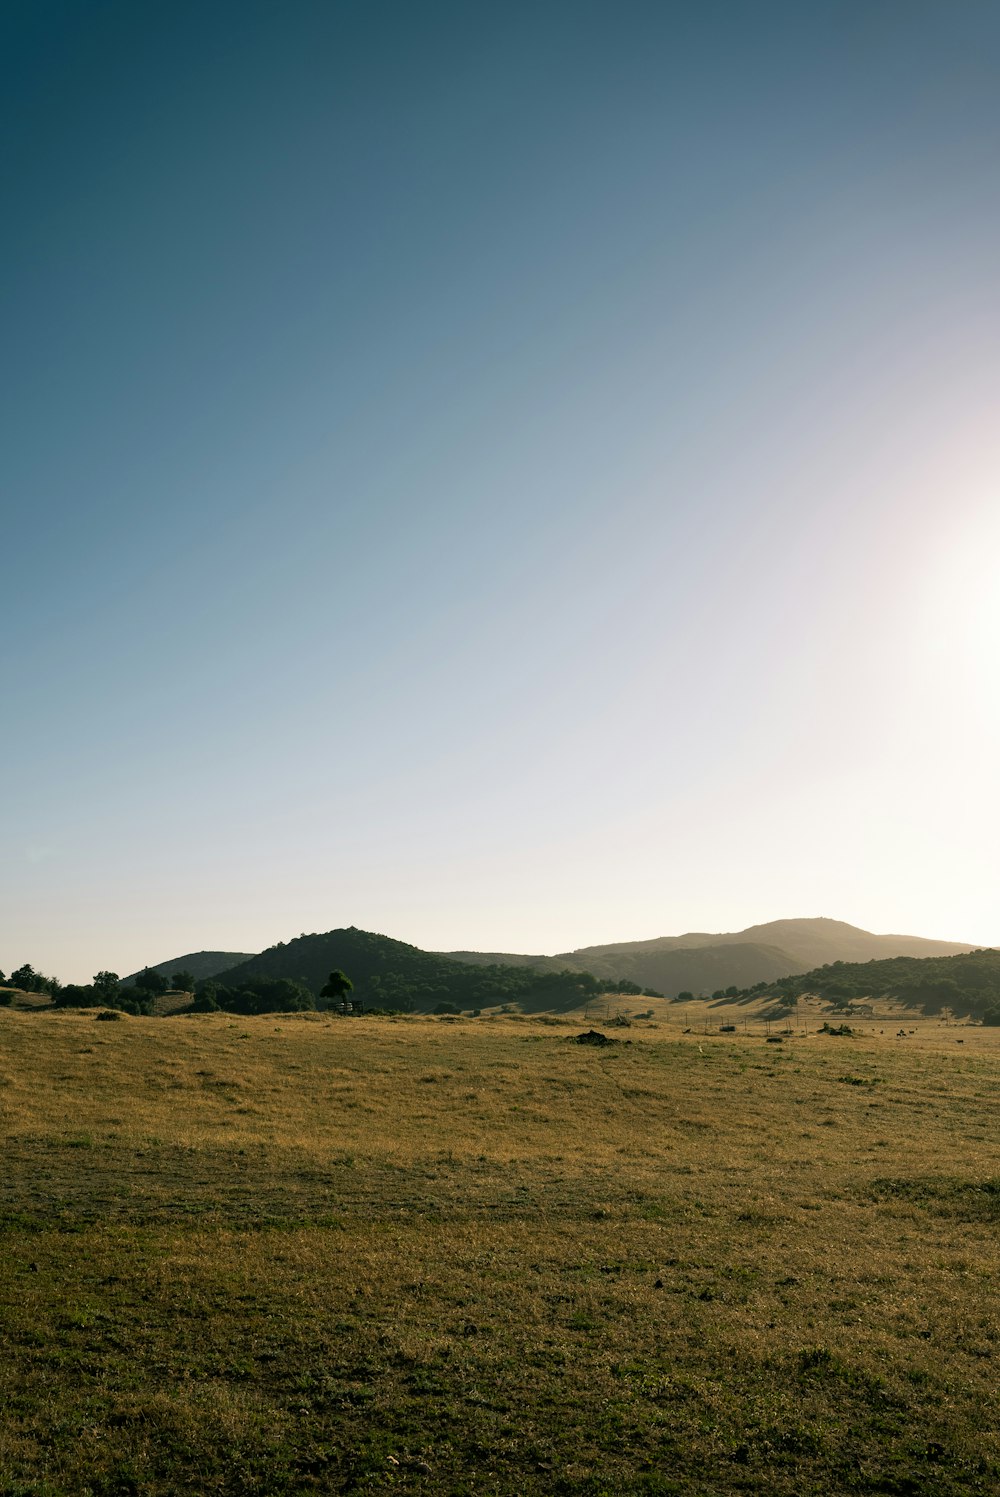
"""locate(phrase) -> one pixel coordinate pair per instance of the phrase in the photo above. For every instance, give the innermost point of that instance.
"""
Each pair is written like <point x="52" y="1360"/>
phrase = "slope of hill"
<point x="392" y="974"/>
<point x="702" y="962"/>
<point x="967" y="984"/>
<point x="201" y="964"/>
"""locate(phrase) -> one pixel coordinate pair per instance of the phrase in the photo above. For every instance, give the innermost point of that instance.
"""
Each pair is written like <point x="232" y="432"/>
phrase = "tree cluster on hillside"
<point x="262" y="995"/>
<point x="968" y="984"/>
<point x="108" y="991"/>
<point x="27" y="980"/>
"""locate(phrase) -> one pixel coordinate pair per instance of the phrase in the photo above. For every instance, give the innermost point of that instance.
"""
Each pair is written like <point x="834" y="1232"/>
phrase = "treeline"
<point x="387" y="975"/>
<point x="261" y="996"/>
<point x="968" y="984"/>
<point x="107" y="988"/>
<point x="108" y="991"/>
<point x="394" y="992"/>
<point x="264" y="995"/>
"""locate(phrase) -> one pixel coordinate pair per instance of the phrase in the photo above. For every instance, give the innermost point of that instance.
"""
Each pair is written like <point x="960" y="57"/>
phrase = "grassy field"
<point x="294" y="1255"/>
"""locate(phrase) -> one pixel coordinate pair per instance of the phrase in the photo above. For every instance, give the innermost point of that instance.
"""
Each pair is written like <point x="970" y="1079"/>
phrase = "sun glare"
<point x="961" y="614"/>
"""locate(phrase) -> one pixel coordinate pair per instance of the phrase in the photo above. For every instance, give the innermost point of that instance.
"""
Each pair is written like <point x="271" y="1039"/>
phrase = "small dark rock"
<point x="594" y="1037"/>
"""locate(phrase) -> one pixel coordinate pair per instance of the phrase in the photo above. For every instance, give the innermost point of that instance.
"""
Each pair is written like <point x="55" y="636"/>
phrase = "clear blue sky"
<point x="509" y="476"/>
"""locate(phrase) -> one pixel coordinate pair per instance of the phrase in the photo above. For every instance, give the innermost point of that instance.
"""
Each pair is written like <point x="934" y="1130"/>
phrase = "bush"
<point x="205" y="1003"/>
<point x="132" y="1001"/>
<point x="75" y="995"/>
<point x="258" y="995"/>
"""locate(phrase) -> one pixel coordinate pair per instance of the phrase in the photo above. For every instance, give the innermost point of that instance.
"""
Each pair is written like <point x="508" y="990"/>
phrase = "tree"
<point x="183" y="982"/>
<point x="337" y="987"/>
<point x="207" y="1001"/>
<point x="133" y="1001"/>
<point x="266" y="995"/>
<point x="75" y="995"/>
<point x="152" y="982"/>
<point x="106" y="986"/>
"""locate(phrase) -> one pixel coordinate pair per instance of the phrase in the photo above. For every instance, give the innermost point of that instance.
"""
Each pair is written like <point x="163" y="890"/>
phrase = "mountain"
<point x="702" y="962"/>
<point x="201" y="964"/>
<point x="819" y="941"/>
<point x="392" y="974"/>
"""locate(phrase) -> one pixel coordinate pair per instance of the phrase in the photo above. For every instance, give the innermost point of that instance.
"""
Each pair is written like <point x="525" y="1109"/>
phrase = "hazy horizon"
<point x="511" y="478"/>
<point x="595" y="939"/>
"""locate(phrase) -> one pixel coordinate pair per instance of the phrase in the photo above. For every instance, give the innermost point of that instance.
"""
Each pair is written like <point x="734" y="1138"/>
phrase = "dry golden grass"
<point x="311" y="1254"/>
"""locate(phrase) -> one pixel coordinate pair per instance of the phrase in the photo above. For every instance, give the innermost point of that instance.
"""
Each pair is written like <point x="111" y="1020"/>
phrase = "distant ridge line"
<point x="703" y="962"/>
<point x="698" y="962"/>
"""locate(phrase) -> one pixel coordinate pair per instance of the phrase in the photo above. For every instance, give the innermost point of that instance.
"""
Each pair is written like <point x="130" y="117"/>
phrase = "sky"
<point x="507" y="476"/>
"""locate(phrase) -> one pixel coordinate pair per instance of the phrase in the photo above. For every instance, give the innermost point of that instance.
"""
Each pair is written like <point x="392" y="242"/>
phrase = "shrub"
<point x="205" y="1003"/>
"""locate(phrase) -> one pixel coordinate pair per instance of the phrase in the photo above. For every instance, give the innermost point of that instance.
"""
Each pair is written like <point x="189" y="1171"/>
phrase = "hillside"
<point x="967" y="984"/>
<point x="508" y="959"/>
<point x="201" y="964"/>
<point x="701" y="962"/>
<point x="392" y="974"/>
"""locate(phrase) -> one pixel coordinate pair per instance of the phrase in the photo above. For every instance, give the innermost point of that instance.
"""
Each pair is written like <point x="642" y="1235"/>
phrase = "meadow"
<point x="314" y="1254"/>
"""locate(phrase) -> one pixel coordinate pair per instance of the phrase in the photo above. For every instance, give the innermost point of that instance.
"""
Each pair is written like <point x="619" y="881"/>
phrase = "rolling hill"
<point x="392" y="974"/>
<point x="966" y="985"/>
